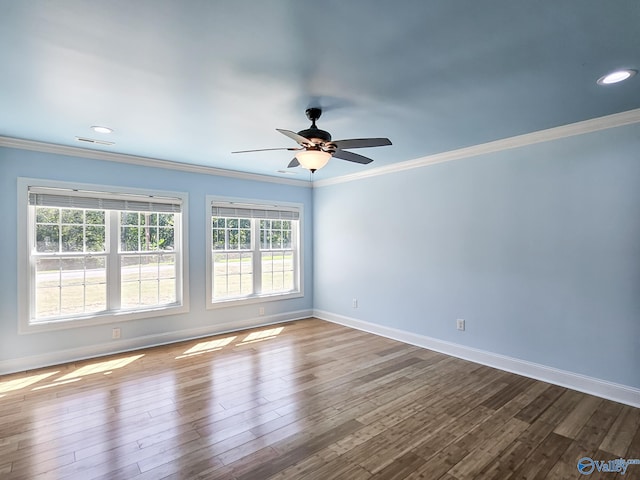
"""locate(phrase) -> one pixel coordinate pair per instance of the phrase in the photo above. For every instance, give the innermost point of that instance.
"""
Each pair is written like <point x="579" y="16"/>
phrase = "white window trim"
<point x="234" y="302"/>
<point x="24" y="259"/>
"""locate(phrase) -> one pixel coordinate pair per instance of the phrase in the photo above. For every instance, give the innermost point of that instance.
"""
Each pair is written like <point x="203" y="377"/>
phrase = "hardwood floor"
<point x="301" y="400"/>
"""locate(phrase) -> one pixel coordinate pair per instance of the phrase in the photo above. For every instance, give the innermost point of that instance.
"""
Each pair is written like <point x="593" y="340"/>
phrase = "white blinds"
<point x="230" y="210"/>
<point x="64" y="198"/>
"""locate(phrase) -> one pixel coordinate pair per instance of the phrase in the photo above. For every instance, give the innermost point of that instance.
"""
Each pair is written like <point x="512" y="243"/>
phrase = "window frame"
<point x="26" y="262"/>
<point x="298" y="251"/>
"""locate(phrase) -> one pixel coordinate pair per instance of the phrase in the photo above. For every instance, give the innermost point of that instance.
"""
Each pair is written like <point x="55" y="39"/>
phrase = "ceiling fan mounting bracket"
<point x="313" y="114"/>
<point x="313" y="133"/>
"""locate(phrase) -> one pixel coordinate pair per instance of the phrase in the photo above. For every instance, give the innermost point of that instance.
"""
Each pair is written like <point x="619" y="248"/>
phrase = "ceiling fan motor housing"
<point x="313" y="133"/>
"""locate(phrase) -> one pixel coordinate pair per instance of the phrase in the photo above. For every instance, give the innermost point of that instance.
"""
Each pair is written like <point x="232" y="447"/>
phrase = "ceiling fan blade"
<point x="362" y="142"/>
<point x="293" y="163"/>
<point x="266" y="150"/>
<point x="294" y="136"/>
<point x="352" y="157"/>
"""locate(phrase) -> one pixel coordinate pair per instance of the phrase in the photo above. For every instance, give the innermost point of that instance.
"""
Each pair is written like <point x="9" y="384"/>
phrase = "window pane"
<point x="232" y="275"/>
<point x="149" y="293"/>
<point x="147" y="280"/>
<point x="149" y="239"/>
<point x="277" y="272"/>
<point x="47" y="302"/>
<point x="95" y="217"/>
<point x="286" y="239"/>
<point x="72" y="238"/>
<point x="167" y="266"/>
<point x="218" y="239"/>
<point x="149" y="267"/>
<point x="129" y="237"/>
<point x="47" y="215"/>
<point x="47" y="238"/>
<point x="72" y="216"/>
<point x="245" y="239"/>
<point x="151" y="219"/>
<point x="264" y="239"/>
<point x="167" y="291"/>
<point x="47" y="287"/>
<point x="72" y="300"/>
<point x="166" y="238"/>
<point x="130" y="278"/>
<point x="234" y="239"/>
<point x="95" y="238"/>
<point x="166" y="219"/>
<point x="129" y="218"/>
<point x="71" y="271"/>
<point x="95" y="298"/>
<point x="276" y="239"/>
<point x="95" y="270"/>
<point x="130" y="294"/>
<point x="70" y="286"/>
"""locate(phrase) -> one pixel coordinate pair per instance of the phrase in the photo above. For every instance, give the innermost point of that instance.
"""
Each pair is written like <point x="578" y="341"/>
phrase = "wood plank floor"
<point x="301" y="400"/>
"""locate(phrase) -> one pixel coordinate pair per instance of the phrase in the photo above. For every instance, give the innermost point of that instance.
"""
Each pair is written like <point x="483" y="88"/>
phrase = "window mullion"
<point x="32" y="261"/>
<point x="256" y="256"/>
<point x="113" y="261"/>
<point x="295" y="250"/>
<point x="177" y="247"/>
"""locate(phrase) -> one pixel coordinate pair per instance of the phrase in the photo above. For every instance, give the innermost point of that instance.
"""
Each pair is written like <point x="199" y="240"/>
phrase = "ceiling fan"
<point x="316" y="146"/>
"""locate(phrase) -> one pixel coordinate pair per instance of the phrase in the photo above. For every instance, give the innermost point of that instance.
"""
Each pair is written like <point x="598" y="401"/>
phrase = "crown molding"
<point x="556" y="133"/>
<point x="33" y="145"/>
<point x="579" y="128"/>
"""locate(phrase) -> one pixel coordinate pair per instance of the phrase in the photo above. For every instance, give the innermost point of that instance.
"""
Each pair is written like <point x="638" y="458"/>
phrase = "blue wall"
<point x="42" y="347"/>
<point x="537" y="248"/>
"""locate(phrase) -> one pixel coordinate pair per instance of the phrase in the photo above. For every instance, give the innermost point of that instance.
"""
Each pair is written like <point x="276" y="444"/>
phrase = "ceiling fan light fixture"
<point x="616" y="76"/>
<point x="313" y="159"/>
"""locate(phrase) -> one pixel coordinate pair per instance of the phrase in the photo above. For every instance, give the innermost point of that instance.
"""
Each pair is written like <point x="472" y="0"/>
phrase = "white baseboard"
<point x="593" y="386"/>
<point x="126" y="345"/>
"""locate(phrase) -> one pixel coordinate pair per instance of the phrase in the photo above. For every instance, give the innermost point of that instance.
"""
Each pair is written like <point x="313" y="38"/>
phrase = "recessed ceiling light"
<point x="99" y="129"/>
<point x="616" y="76"/>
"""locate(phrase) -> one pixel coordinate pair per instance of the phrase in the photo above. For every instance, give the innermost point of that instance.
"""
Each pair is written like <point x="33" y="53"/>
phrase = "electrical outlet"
<point x="261" y="311"/>
<point x="115" y="333"/>
<point x="354" y="303"/>
<point x="460" y="324"/>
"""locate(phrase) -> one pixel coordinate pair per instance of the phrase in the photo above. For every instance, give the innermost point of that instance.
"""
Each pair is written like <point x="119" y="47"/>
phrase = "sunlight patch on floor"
<point x="100" y="367"/>
<point x="56" y="383"/>
<point x="206" y="347"/>
<point x="262" y="335"/>
<point x="23" y="382"/>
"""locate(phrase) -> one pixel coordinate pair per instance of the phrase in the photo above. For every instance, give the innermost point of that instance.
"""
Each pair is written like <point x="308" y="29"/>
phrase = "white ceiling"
<point x="192" y="80"/>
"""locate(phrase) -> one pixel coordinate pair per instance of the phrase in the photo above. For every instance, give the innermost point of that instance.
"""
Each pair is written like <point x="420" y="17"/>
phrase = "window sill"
<point x="100" y="319"/>
<point x="237" y="302"/>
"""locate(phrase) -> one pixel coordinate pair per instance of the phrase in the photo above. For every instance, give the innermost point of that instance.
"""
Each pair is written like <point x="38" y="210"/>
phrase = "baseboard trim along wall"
<point x="126" y="345"/>
<point x="582" y="383"/>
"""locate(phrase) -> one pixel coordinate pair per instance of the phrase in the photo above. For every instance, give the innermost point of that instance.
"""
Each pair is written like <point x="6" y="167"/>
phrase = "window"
<point x="94" y="256"/>
<point x="254" y="251"/>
